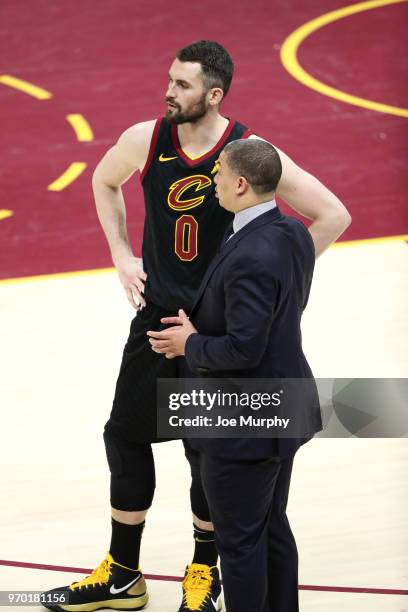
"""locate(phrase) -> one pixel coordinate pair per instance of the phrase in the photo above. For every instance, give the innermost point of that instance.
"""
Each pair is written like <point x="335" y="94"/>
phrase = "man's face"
<point x="226" y="182"/>
<point x="186" y="96"/>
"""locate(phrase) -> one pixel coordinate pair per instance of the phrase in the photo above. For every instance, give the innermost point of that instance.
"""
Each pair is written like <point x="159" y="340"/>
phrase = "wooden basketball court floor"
<point x="62" y="339"/>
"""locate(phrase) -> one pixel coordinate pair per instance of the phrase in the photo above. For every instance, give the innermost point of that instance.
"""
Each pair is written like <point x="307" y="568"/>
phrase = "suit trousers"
<point x="259" y="559"/>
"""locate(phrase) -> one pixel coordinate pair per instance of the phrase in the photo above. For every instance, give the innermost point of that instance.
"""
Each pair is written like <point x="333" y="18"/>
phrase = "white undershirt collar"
<point x="243" y="217"/>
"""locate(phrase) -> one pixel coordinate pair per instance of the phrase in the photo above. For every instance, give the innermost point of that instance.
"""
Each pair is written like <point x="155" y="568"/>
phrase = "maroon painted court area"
<point x="109" y="61"/>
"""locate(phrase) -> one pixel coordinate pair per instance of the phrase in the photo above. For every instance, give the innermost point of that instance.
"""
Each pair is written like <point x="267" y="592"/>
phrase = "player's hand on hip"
<point x="133" y="277"/>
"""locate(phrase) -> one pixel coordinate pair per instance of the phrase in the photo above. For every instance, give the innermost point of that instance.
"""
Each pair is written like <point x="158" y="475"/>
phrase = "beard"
<point x="189" y="115"/>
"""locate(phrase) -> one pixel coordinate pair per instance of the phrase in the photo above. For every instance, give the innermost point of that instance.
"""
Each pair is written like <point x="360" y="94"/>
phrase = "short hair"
<point x="216" y="63"/>
<point x="256" y="160"/>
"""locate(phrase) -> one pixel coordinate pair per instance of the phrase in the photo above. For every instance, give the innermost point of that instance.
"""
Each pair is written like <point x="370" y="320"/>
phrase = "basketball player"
<point x="176" y="157"/>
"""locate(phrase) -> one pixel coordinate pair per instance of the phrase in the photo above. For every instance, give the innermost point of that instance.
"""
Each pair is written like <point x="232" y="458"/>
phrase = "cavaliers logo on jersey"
<point x="192" y="185"/>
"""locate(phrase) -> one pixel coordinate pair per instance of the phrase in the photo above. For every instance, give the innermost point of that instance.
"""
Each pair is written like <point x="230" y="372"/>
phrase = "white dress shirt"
<point x="243" y="217"/>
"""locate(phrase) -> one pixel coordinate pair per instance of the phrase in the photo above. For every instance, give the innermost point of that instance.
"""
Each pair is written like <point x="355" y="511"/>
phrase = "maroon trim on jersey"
<point x="247" y="134"/>
<point x="199" y="160"/>
<point x="153" y="143"/>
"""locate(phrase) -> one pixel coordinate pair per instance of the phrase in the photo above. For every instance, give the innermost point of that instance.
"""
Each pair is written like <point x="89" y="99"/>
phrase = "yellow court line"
<point x="383" y="240"/>
<point x="81" y="127"/>
<point x="24" y="86"/>
<point x="290" y="61"/>
<point x="4" y="213"/>
<point x="68" y="177"/>
<point x="57" y="275"/>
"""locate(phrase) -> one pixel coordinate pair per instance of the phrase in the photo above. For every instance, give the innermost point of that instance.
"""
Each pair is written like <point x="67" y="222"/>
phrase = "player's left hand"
<point x="171" y="342"/>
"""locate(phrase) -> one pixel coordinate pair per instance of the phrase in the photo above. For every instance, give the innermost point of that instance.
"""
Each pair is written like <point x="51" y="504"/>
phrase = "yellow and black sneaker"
<point x="110" y="585"/>
<point x="201" y="589"/>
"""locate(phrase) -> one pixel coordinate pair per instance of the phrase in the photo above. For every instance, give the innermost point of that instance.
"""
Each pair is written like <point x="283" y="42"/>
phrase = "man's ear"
<point x="242" y="185"/>
<point x="216" y="95"/>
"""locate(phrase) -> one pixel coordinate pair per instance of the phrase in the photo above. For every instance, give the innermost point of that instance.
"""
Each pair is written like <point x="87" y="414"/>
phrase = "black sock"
<point x="125" y="543"/>
<point x="205" y="551"/>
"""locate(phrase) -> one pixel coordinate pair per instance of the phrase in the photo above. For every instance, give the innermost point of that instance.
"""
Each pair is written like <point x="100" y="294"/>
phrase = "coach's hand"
<point x="172" y="341"/>
<point x="132" y="275"/>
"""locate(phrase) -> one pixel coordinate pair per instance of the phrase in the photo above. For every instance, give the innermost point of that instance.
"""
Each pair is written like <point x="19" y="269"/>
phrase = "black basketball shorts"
<point x="134" y="411"/>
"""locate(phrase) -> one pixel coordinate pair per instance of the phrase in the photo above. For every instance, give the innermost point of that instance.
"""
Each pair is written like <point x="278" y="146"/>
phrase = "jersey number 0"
<point x="186" y="234"/>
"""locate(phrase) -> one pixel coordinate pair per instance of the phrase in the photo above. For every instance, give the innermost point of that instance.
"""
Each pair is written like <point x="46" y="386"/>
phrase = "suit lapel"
<point x="222" y="253"/>
<point x="225" y="249"/>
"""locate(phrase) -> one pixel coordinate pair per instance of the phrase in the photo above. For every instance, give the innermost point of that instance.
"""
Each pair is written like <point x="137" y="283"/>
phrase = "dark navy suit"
<point x="248" y="310"/>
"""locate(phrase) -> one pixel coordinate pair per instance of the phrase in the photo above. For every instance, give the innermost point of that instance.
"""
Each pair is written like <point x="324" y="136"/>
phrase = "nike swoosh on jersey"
<point x="163" y="158"/>
<point x="115" y="591"/>
<point x="215" y="603"/>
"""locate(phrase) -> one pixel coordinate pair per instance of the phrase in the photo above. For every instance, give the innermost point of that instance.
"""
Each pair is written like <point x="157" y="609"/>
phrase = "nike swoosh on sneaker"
<point x="162" y="158"/>
<point x="115" y="591"/>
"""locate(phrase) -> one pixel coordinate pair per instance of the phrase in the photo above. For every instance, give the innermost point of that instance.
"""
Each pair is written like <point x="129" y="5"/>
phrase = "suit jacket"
<point x="248" y="310"/>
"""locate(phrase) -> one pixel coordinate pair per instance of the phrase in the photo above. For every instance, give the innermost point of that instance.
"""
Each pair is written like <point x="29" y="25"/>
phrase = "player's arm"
<point x="115" y="168"/>
<point x="310" y="198"/>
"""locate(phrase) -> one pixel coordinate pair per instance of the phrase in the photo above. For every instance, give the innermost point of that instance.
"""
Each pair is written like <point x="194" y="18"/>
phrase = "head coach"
<point x="246" y="322"/>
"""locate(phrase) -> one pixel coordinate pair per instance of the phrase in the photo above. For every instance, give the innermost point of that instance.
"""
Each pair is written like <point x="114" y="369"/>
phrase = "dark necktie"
<point x="228" y="233"/>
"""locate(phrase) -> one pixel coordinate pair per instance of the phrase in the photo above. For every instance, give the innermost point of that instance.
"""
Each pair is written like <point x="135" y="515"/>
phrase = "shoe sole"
<point x="112" y="604"/>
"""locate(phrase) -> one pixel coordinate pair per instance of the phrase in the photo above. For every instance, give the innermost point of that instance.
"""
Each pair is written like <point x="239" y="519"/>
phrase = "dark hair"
<point x="216" y="63"/>
<point x="257" y="160"/>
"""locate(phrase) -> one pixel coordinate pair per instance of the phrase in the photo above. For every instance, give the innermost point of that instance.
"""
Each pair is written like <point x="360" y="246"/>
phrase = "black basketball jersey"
<point x="184" y="222"/>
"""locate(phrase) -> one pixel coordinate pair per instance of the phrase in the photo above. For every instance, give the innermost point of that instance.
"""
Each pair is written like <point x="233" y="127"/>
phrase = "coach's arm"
<point x="252" y="297"/>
